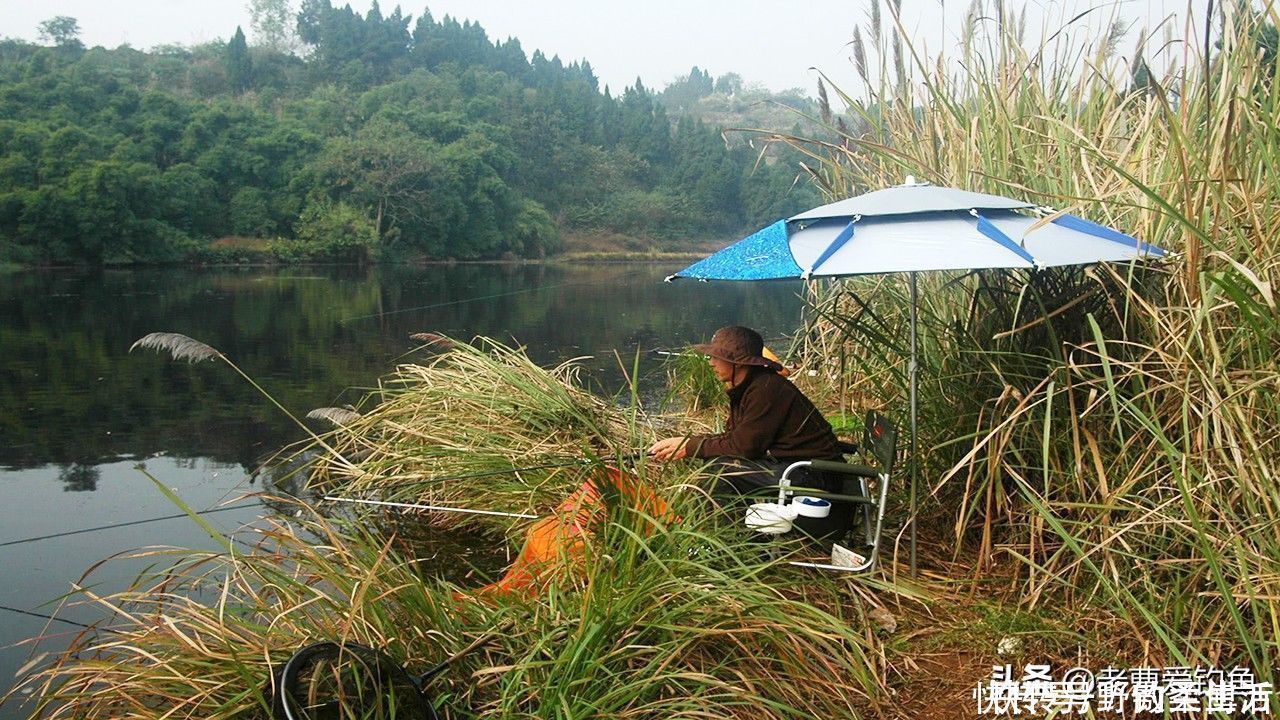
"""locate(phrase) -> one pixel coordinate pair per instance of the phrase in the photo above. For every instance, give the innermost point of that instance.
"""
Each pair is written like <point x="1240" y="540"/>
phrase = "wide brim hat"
<point x="738" y="345"/>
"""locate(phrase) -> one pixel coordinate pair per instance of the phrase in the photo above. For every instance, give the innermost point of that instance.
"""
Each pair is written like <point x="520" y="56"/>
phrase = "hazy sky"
<point x="768" y="41"/>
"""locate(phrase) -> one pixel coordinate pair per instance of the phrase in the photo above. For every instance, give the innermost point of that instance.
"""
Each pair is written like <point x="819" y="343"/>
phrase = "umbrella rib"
<point x="1079" y="224"/>
<point x="986" y="227"/>
<point x="845" y="235"/>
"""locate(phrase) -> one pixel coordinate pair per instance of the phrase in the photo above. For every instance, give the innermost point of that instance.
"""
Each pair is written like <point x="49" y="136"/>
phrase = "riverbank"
<point x="659" y="615"/>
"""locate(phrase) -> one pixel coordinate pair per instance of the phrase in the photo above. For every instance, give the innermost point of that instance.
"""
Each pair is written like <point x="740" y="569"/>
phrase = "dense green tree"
<point x="533" y="233"/>
<point x="67" y="149"/>
<point x="238" y="64"/>
<point x="20" y="166"/>
<point x="384" y="167"/>
<point x="775" y="189"/>
<point x="729" y="84"/>
<point x="509" y="58"/>
<point x="160" y="122"/>
<point x="62" y="31"/>
<point x="110" y="206"/>
<point x="186" y="201"/>
<point x="250" y="213"/>
<point x="462" y="44"/>
<point x="335" y="232"/>
<point x="356" y="50"/>
<point x="688" y="90"/>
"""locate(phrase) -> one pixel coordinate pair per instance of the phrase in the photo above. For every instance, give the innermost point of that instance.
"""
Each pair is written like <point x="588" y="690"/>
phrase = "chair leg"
<point x="867" y="538"/>
<point x="884" y="496"/>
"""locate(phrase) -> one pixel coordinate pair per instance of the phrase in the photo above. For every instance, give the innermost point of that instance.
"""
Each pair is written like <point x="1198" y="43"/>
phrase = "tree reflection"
<point x="79" y="478"/>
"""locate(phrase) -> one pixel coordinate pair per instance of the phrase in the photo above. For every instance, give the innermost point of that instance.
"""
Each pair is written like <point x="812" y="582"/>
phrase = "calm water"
<point x="79" y="414"/>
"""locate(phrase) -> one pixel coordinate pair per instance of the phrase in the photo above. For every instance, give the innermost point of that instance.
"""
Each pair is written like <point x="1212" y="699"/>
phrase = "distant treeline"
<point x="390" y="139"/>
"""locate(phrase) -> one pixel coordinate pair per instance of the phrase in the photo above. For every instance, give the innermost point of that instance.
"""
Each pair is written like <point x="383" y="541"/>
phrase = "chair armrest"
<point x="771" y="490"/>
<point x="844" y="468"/>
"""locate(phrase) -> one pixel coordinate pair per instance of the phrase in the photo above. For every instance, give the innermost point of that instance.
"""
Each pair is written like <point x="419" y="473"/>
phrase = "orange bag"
<point x="556" y="544"/>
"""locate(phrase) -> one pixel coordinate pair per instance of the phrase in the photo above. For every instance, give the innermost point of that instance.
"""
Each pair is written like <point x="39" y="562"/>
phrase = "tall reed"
<point x="1116" y="429"/>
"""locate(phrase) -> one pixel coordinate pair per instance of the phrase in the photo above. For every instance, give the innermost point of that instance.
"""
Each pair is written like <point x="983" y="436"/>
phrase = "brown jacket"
<point x="769" y="415"/>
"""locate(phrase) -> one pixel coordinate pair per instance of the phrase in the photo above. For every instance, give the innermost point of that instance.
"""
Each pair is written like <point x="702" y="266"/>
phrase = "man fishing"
<point x="771" y="423"/>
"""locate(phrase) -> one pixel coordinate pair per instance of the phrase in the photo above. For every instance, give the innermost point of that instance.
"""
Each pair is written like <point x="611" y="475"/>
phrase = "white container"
<point x="770" y="518"/>
<point x="811" y="506"/>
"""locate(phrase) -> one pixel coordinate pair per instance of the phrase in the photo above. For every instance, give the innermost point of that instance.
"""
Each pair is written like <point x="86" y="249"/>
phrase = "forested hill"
<point x="395" y="137"/>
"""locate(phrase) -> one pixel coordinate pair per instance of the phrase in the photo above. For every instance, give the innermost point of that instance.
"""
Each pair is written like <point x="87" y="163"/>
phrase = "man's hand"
<point x="673" y="448"/>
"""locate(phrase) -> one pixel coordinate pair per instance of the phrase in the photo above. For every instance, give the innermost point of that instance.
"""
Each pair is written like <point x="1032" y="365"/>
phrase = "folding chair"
<point x="863" y="490"/>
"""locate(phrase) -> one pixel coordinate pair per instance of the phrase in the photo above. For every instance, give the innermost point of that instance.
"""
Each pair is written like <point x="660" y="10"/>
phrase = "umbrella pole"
<point x="911" y="369"/>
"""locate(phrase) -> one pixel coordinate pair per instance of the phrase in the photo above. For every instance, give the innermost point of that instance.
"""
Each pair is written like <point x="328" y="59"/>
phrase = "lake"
<point x="83" y="421"/>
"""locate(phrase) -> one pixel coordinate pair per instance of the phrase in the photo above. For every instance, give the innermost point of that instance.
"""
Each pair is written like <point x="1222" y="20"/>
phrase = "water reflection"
<point x="70" y="394"/>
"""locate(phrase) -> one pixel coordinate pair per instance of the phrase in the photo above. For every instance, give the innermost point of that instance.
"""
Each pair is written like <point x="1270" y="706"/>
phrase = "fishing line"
<point x="96" y="628"/>
<point x="462" y="301"/>
<point x="55" y="618"/>
<point x="129" y="524"/>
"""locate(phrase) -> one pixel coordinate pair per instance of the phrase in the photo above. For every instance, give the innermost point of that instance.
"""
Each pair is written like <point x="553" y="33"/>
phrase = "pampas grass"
<point x="336" y="415"/>
<point x="480" y="410"/>
<point x="179" y="346"/>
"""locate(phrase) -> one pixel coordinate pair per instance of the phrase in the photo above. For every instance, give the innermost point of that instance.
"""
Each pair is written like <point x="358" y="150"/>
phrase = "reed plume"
<point x="860" y="55"/>
<point x="177" y="345"/>
<point x="335" y="415"/>
<point x="430" y="338"/>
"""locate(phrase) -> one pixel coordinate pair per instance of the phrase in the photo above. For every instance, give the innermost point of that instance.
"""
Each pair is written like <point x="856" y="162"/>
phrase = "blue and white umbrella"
<point x="912" y="228"/>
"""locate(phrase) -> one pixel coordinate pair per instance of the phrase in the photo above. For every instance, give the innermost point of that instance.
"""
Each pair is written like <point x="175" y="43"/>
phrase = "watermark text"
<point x="1125" y="692"/>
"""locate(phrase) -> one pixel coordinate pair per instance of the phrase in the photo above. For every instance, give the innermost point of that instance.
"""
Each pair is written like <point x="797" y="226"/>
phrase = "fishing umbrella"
<point x="913" y="228"/>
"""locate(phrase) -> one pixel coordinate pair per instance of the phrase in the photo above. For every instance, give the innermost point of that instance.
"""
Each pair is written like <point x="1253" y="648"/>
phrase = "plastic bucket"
<point x="770" y="518"/>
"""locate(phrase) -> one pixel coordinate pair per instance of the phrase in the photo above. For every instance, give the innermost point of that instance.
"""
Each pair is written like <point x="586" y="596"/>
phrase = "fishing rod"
<point x="129" y="523"/>
<point x="629" y="458"/>
<point x="415" y="506"/>
<point x="55" y="618"/>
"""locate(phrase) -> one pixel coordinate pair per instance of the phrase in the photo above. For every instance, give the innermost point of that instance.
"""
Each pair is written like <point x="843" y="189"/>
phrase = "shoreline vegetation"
<point x="578" y="248"/>
<point x="1100" y="446"/>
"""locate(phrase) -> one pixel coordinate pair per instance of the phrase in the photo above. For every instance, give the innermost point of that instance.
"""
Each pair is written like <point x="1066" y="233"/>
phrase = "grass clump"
<point x="692" y="383"/>
<point x="687" y="622"/>
<point x="476" y="424"/>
